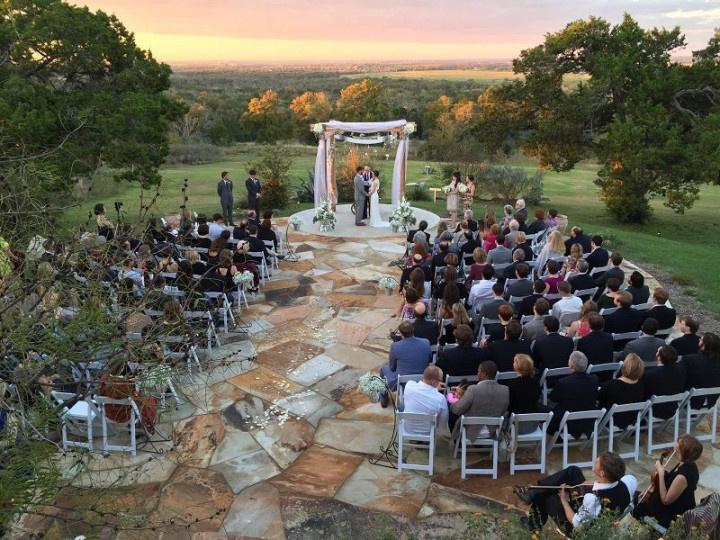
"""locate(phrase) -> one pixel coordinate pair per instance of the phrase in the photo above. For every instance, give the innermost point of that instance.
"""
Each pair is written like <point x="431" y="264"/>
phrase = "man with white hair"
<point x="520" y="209"/>
<point x="576" y="392"/>
<point x="511" y="237"/>
<point x="468" y="216"/>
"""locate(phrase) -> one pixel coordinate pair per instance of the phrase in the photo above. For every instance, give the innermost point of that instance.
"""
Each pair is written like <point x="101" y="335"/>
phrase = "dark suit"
<point x="524" y="394"/>
<point x="257" y="245"/>
<point x="576" y="392"/>
<point x="472" y="225"/>
<point x="664" y="315"/>
<point x="523" y="287"/>
<point x="489" y="308"/>
<point x="645" y="347"/>
<point x="503" y="352"/>
<point x="687" y="344"/>
<point x="552" y="351"/>
<point x="579" y="282"/>
<point x="597" y="346"/>
<point x="623" y="320"/>
<point x="461" y="360"/>
<point x="598" y="258"/>
<point x="701" y="372"/>
<point x="253" y="190"/>
<point x="664" y="381"/>
<point x="526" y="306"/>
<point x="582" y="239"/>
<point x="615" y="272"/>
<point x="225" y="192"/>
<point x="427" y="329"/>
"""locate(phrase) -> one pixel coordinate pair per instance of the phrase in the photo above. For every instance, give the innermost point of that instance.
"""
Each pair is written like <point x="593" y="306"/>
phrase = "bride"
<point x="375" y="219"/>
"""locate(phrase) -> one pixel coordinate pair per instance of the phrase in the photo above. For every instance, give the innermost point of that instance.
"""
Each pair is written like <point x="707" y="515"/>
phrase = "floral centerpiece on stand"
<point x="373" y="386"/>
<point x="325" y="216"/>
<point x="388" y="283"/>
<point x="243" y="279"/>
<point x="295" y="221"/>
<point x="403" y="216"/>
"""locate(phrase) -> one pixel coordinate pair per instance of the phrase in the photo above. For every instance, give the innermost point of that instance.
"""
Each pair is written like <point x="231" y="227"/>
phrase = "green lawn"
<point x="685" y="244"/>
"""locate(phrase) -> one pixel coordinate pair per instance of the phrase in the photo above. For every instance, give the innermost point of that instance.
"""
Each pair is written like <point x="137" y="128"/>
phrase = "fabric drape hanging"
<point x="399" y="171"/>
<point x="320" y="181"/>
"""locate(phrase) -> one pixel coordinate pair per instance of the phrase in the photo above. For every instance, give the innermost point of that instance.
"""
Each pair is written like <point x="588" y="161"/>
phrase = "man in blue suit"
<point x="409" y="356"/>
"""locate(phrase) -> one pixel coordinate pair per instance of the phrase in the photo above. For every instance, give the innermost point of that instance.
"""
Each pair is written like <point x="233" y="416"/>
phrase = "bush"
<point x="194" y="153"/>
<point x="625" y="201"/>
<point x="305" y="192"/>
<point x="272" y="165"/>
<point x="418" y="193"/>
<point x="510" y="183"/>
<point x="345" y="175"/>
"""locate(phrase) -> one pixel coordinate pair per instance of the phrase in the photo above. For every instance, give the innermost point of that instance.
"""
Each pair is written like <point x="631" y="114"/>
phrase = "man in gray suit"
<point x="225" y="192"/>
<point x="500" y="254"/>
<point x="647" y="345"/>
<point x="486" y="398"/>
<point x="360" y="196"/>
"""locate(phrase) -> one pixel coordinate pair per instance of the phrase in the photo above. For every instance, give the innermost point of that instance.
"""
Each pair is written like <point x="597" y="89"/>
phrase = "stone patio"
<point x="273" y="440"/>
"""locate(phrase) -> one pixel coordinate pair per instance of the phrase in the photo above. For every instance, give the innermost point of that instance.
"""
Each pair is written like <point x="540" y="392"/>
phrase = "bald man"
<point x="426" y="397"/>
<point x="424" y="328"/>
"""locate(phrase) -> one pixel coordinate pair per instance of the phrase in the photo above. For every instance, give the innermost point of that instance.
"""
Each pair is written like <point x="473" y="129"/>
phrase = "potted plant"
<point x="388" y="284"/>
<point x="295" y="222"/>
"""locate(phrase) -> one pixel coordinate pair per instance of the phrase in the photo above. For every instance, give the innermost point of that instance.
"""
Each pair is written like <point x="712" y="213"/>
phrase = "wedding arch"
<point x="327" y="133"/>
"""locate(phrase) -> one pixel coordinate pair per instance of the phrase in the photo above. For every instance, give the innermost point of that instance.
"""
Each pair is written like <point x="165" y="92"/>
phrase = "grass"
<point x="683" y="244"/>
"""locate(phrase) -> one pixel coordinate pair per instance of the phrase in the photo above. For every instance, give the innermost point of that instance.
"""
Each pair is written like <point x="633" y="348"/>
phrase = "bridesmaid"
<point x="469" y="196"/>
<point x="452" y="198"/>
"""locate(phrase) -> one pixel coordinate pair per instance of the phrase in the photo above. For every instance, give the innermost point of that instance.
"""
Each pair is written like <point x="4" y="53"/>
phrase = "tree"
<point x="273" y="165"/>
<point x="451" y="139"/>
<point x="310" y="108"/>
<point x="77" y="92"/>
<point x="264" y="118"/>
<point x="647" y="119"/>
<point x="363" y="101"/>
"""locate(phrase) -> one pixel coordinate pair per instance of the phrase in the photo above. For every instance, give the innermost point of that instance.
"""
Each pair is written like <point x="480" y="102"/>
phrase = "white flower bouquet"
<point x="243" y="278"/>
<point x="317" y="128"/>
<point x="446" y="189"/>
<point x="325" y="216"/>
<point x="403" y="215"/>
<point x="409" y="128"/>
<point x="295" y="222"/>
<point x="388" y="282"/>
<point x="462" y="188"/>
<point x="373" y="386"/>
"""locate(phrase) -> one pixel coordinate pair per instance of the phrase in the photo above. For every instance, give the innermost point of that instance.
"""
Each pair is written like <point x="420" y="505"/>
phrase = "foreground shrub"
<point x="194" y="153"/>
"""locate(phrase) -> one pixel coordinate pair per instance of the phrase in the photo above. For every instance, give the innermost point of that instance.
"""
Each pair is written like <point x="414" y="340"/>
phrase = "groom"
<point x="360" y="196"/>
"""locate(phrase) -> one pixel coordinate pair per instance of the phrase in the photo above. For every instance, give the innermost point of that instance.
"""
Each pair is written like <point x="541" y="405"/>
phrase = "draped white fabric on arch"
<point x="324" y="184"/>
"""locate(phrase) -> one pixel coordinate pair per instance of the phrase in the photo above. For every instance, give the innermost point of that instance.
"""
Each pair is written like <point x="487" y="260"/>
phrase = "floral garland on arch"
<point x="403" y="216"/>
<point x="325" y="216"/>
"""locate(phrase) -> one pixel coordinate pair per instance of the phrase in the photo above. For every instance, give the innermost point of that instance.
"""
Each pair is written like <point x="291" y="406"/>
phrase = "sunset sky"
<point x="314" y="31"/>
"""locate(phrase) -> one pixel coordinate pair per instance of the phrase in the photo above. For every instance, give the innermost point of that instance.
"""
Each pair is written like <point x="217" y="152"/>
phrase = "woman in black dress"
<point x="677" y="487"/>
<point x="524" y="391"/>
<point x="628" y="388"/>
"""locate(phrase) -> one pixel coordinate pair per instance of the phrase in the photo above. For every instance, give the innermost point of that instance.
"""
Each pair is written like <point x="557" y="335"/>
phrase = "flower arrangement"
<point x="295" y="221"/>
<point x="409" y="128"/>
<point x="243" y="278"/>
<point x="462" y="188"/>
<point x="325" y="216"/>
<point x="403" y="215"/>
<point x="373" y="386"/>
<point x="388" y="282"/>
<point x="317" y="128"/>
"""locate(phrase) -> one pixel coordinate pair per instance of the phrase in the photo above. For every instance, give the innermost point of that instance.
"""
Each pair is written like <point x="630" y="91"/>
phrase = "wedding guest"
<point x="628" y="388"/>
<point x="597" y="344"/>
<point x="266" y="233"/>
<point x="423" y="328"/>
<point x="615" y="271"/>
<point x="511" y="235"/>
<point x="469" y="195"/>
<point x="216" y="227"/>
<point x="551" y="219"/>
<point x="417" y="262"/>
<point x="524" y="390"/>
<point x="553" y="277"/>
<point x="581" y="280"/>
<point x="503" y="352"/>
<point x="105" y="228"/>
<point x="453" y="196"/>
<point x="581" y="327"/>
<point x="476" y="269"/>
<point x="496" y="331"/>
<point x="406" y="309"/>
<point x="408" y="356"/>
<point x="571" y="262"/>
<point x="520" y="209"/>
<point x="553" y="248"/>
<point x="607" y="300"/>
<point x="702" y="369"/>
<point x="489" y="241"/>
<point x="486" y="398"/>
<point x="488" y="309"/>
<point x="640" y="292"/>
<point x="664" y="315"/>
<point x="689" y="342"/>
<point x="552" y="350"/>
<point x="665" y="380"/>
<point x="535" y="328"/>
<point x="577" y="236"/>
<point x="507" y="216"/>
<point x="482" y="290"/>
<point x="540" y="288"/>
<point x="441" y="228"/>
<point x="576" y="392"/>
<point x="468" y="216"/>
<point x="539" y="223"/>
<point x="425" y="397"/>
<point x="524" y="246"/>
<point x="203" y="241"/>
<point x="458" y="316"/>
<point x="422" y="227"/>
<point x="450" y="297"/>
<point x="522" y="286"/>
<point x="647" y="345"/>
<point x="186" y="219"/>
<point x="463" y="359"/>
<point x="624" y="319"/>
<point x="598" y="256"/>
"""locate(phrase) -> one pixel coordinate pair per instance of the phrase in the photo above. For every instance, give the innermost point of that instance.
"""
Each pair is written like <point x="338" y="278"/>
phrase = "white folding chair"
<point x="225" y="307"/>
<point x="568" y="440"/>
<point x="484" y="441"/>
<point x="599" y="270"/>
<point x="552" y="296"/>
<point x="526" y="319"/>
<point x="506" y="375"/>
<point x="518" y="299"/>
<point x="586" y="292"/>
<point x="535" y="438"/>
<point x="189" y="354"/>
<point x="452" y="380"/>
<point x="616" y="435"/>
<point x="270" y="245"/>
<point x="416" y="430"/>
<point x="664" y="332"/>
<point x="133" y="416"/>
<point x="662" y="423"/>
<point x="568" y="317"/>
<point x="626" y="336"/>
<point x="78" y="418"/>
<point x="211" y="333"/>
<point x="402" y="379"/>
<point x="264" y="271"/>
<point x="613" y="367"/>
<point x="485" y="321"/>
<point x="551" y="374"/>
<point x="608" y="311"/>
<point x="694" y="416"/>
<point x="643" y="307"/>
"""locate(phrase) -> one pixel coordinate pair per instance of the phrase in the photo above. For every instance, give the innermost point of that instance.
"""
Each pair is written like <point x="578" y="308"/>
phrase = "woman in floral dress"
<point x="469" y="195"/>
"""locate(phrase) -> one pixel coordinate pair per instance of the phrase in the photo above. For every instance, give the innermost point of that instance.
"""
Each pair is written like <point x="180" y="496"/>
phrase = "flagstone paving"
<point x="273" y="440"/>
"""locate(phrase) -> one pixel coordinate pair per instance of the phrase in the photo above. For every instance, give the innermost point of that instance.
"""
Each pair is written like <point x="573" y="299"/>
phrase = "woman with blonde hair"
<point x="458" y="315"/>
<point x="581" y="327"/>
<point x="576" y="254"/>
<point x="628" y="388"/>
<point x="554" y="247"/>
<point x="524" y="390"/>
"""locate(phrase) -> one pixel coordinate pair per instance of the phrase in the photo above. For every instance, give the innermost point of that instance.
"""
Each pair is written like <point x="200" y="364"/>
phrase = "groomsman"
<point x="254" y="191"/>
<point x="367" y="178"/>
<point x="225" y="192"/>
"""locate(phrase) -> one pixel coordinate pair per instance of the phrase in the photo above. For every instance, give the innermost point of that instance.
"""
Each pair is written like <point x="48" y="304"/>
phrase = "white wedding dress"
<point x="375" y="218"/>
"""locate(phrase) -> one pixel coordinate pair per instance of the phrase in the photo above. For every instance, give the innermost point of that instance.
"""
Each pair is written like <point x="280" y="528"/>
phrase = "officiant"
<point x="367" y="179"/>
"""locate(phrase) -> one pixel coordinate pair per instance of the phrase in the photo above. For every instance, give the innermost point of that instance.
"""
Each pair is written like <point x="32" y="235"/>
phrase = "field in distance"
<point x="487" y="75"/>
